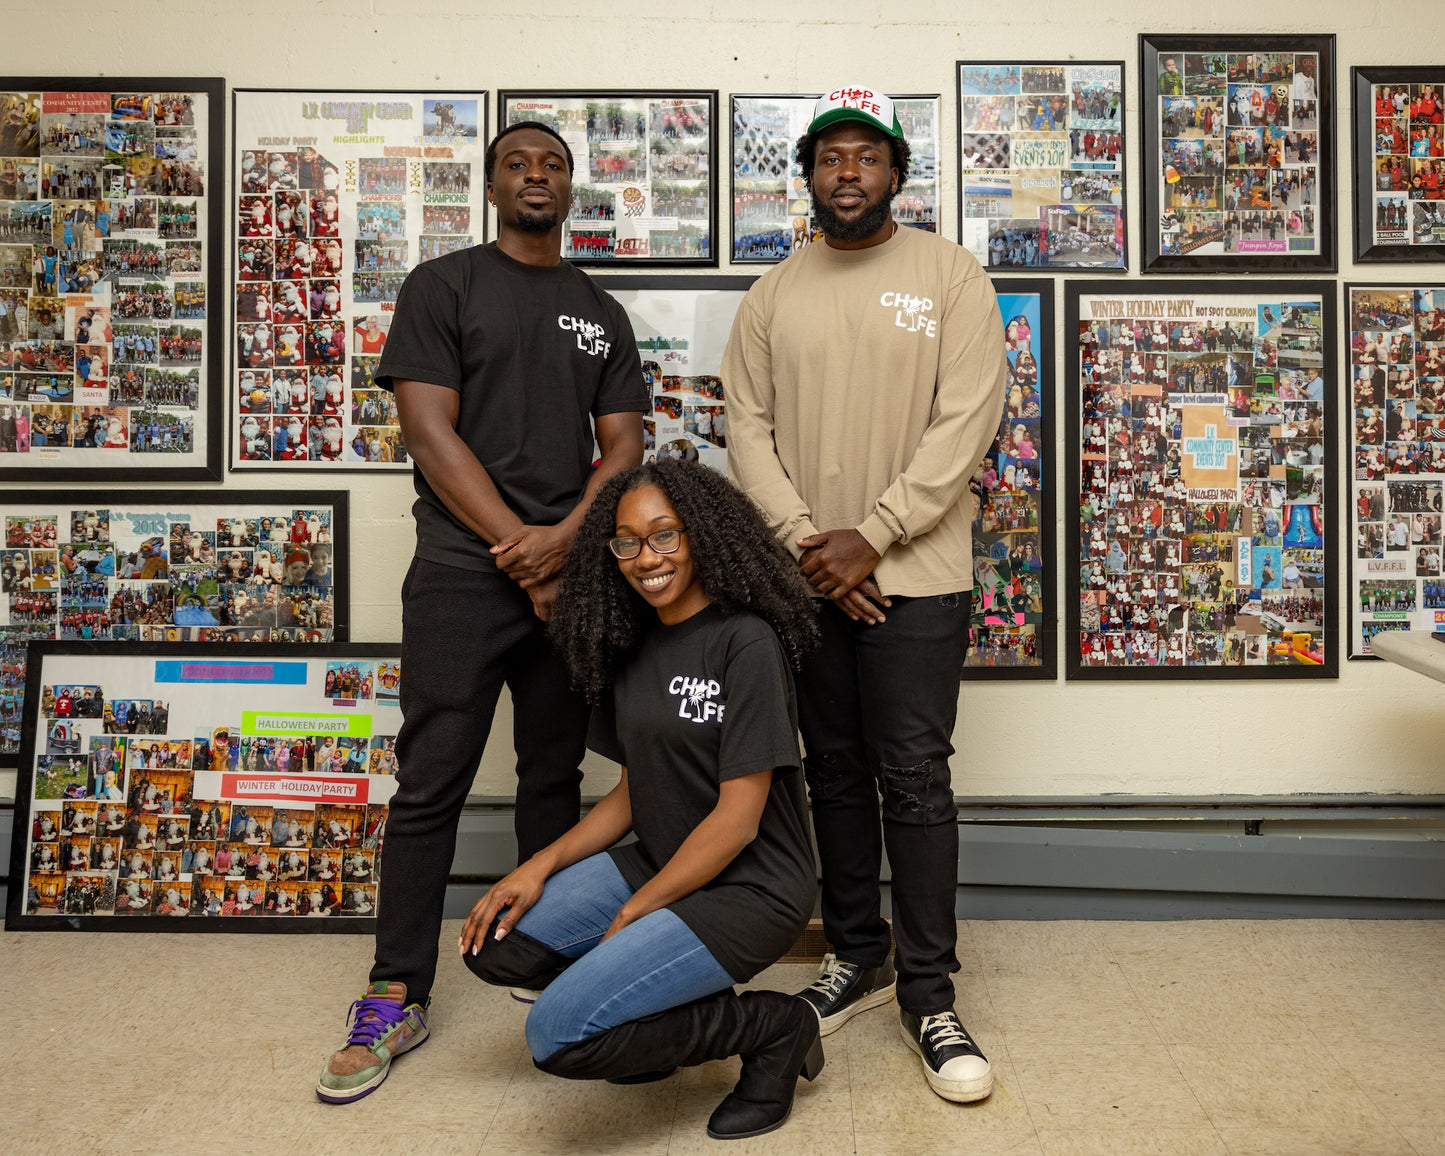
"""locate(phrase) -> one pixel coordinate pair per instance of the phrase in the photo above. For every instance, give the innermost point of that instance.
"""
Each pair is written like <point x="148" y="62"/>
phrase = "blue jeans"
<point x="649" y="966"/>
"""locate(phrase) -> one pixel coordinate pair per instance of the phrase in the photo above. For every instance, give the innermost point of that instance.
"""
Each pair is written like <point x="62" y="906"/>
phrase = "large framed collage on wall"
<point x="1239" y="153"/>
<point x="644" y="191"/>
<point x="1201" y="464"/>
<point x="1041" y="164"/>
<point x="1396" y="342"/>
<point x="151" y="566"/>
<point x="337" y="196"/>
<point x="238" y="791"/>
<point x="110" y="262"/>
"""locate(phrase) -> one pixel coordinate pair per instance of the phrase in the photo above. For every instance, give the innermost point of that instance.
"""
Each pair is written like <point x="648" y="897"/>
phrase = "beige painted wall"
<point x="1378" y="728"/>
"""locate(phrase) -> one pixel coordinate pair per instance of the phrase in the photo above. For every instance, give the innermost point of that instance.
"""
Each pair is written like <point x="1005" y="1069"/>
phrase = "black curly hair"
<point x="598" y="618"/>
<point x="900" y="155"/>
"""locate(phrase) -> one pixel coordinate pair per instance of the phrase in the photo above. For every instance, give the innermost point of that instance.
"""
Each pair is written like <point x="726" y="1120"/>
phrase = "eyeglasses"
<point x="661" y="541"/>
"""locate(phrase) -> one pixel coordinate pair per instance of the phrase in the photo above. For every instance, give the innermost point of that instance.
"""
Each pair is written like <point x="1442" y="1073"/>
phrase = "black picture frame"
<point x="978" y="98"/>
<point x="1394" y="577"/>
<point x="585" y="241"/>
<point x="211" y="681"/>
<point x="787" y="207"/>
<point x="1371" y="134"/>
<point x="139" y="169"/>
<point x="1010" y="579"/>
<point x="393" y="177"/>
<point x="1304" y="232"/>
<point x="148" y="514"/>
<point x="1277" y="635"/>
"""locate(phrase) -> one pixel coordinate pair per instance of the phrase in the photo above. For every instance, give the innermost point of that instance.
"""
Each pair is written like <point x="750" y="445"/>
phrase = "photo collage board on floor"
<point x="772" y="209"/>
<point x="146" y="566"/>
<point x="337" y="197"/>
<point x="681" y="326"/>
<point x="1397" y="392"/>
<point x="1041" y="164"/>
<point x="1200" y="450"/>
<point x="1013" y="562"/>
<point x="645" y="177"/>
<point x="106" y="255"/>
<point x="190" y="782"/>
<point x="1239" y="153"/>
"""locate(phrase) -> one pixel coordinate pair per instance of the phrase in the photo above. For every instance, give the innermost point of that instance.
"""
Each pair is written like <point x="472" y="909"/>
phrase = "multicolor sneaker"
<point x="383" y="1026"/>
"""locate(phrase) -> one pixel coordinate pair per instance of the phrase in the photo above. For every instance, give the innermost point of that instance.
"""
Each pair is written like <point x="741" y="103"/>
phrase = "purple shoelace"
<point x="372" y="1017"/>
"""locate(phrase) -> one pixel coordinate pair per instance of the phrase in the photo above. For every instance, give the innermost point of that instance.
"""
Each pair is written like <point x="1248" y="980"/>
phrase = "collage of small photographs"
<point x="102" y="275"/>
<point x="1409" y="155"/>
<point x="1201" y="503"/>
<point x="127" y="818"/>
<point x="688" y="421"/>
<point x="1239" y="148"/>
<point x="1041" y="159"/>
<point x="772" y="209"/>
<point x="1008" y="555"/>
<point x="220" y="574"/>
<point x="643" y="179"/>
<point x="325" y="235"/>
<point x="1397" y="367"/>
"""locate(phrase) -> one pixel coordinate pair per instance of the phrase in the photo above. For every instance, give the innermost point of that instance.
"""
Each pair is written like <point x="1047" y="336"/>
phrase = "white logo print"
<point x="911" y="312"/>
<point x="696" y="695"/>
<point x="589" y="334"/>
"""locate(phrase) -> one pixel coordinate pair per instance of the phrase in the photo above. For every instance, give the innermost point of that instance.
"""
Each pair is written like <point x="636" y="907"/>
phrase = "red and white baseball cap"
<point x="858" y="102"/>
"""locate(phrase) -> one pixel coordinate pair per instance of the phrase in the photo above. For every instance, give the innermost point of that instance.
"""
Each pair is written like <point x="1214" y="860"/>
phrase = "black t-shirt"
<point x="535" y="352"/>
<point x="707" y="700"/>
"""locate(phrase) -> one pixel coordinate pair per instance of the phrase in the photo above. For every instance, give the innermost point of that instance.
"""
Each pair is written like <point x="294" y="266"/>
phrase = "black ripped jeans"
<point x="877" y="705"/>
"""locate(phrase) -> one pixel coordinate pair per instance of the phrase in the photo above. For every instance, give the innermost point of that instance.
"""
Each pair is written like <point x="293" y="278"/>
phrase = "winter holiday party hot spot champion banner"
<point x="1201" y="452"/>
<point x="337" y="195"/>
<point x="147" y="566"/>
<point x="110" y="251"/>
<point x="1041" y="159"/>
<point x="235" y="787"/>
<point x="1397" y="370"/>
<point x="772" y="208"/>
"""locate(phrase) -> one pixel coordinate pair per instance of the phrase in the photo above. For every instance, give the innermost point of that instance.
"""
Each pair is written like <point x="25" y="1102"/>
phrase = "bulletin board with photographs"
<point x="772" y="209"/>
<point x="1041" y="164"/>
<point x="238" y="789"/>
<point x="110" y="257"/>
<point x="681" y="325"/>
<point x="1201" y="456"/>
<point x="644" y="188"/>
<point x="153" y="566"/>
<point x="1399" y="163"/>
<point x="1239" y="153"/>
<point x="1397" y="447"/>
<point x="337" y="196"/>
<point x="1014" y="602"/>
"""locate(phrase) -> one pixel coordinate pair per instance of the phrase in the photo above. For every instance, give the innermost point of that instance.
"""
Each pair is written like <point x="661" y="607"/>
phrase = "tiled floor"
<point x="1251" y="1037"/>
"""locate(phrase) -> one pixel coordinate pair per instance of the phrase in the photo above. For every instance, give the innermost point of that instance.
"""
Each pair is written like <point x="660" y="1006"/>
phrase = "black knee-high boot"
<point x="776" y="1035"/>
<point x="516" y="960"/>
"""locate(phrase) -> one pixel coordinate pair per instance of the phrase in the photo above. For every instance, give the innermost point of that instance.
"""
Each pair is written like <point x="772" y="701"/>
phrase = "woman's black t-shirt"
<point x="704" y="701"/>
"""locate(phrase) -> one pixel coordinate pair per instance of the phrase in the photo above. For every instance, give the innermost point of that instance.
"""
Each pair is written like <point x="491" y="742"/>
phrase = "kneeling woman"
<point x="682" y="635"/>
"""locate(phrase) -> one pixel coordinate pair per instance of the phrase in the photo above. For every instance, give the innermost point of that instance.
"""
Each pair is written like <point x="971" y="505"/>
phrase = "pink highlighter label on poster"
<point x="293" y="788"/>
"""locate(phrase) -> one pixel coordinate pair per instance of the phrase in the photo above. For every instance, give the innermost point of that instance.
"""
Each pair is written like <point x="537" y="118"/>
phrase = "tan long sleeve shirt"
<point x="863" y="387"/>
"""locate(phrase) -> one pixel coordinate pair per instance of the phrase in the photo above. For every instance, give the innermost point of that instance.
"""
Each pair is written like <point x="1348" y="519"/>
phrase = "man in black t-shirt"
<point x="506" y="363"/>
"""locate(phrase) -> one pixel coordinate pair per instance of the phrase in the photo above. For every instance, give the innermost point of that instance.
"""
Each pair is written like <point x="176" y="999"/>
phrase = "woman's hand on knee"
<point x="512" y="896"/>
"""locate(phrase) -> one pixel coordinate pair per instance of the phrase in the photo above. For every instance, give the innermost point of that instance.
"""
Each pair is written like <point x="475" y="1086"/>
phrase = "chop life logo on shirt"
<point x="696" y="697"/>
<point x="589" y="334"/>
<point x="910" y="312"/>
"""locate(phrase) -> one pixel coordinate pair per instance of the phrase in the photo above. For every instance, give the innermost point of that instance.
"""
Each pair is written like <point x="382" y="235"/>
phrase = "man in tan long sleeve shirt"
<point x="864" y="378"/>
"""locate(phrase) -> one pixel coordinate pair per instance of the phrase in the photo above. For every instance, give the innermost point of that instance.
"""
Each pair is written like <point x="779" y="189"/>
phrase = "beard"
<point x="537" y="221"/>
<point x="864" y="225"/>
